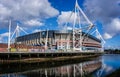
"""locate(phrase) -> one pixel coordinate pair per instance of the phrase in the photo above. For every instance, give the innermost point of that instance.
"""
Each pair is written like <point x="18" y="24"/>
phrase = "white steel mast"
<point x="9" y="35"/>
<point x="46" y="39"/>
<point x="17" y="31"/>
<point x="79" y="27"/>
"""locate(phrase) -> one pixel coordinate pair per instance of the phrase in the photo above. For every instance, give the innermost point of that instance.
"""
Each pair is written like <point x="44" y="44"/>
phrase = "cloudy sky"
<point x="36" y="15"/>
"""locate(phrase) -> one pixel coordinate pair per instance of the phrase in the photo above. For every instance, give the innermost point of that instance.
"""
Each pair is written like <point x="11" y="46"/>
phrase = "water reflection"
<point x="110" y="62"/>
<point x="70" y="70"/>
<point x="75" y="70"/>
<point x="97" y="67"/>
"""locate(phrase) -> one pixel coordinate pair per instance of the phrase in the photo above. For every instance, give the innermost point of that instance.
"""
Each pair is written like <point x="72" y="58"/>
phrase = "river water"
<point x="105" y="65"/>
<point x="110" y="62"/>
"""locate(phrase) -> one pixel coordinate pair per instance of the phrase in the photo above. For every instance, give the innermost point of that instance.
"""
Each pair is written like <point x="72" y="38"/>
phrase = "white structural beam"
<point x="78" y="37"/>
<point x="101" y="38"/>
<point x="13" y="34"/>
<point x="46" y="39"/>
<point x="74" y="29"/>
<point x="98" y="35"/>
<point x="83" y="13"/>
<point x="17" y="31"/>
<point x="23" y="30"/>
<point x="9" y="35"/>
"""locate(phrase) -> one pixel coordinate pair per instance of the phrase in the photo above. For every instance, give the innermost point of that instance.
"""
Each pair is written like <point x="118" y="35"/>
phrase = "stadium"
<point x="54" y="39"/>
<point x="80" y="37"/>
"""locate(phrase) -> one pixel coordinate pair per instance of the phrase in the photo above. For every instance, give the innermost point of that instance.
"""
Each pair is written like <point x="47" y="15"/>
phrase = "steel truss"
<point x="79" y="26"/>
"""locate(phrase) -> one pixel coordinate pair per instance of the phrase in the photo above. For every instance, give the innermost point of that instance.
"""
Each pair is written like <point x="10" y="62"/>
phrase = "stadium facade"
<point x="53" y="39"/>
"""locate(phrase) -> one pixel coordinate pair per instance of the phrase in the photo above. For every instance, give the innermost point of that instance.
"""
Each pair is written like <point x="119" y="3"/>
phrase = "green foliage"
<point x="112" y="51"/>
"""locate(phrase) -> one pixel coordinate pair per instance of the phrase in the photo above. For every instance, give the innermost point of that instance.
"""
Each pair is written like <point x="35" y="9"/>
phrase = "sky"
<point x="36" y="15"/>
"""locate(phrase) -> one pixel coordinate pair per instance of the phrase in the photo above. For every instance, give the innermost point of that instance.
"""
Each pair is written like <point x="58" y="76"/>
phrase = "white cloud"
<point x="69" y="17"/>
<point x="34" y="23"/>
<point x="65" y="17"/>
<point x="115" y="25"/>
<point x="112" y="28"/>
<point x="4" y="12"/>
<point x="101" y="10"/>
<point x="4" y="34"/>
<point x="36" y="30"/>
<point x="107" y="36"/>
<point x="69" y="28"/>
<point x="25" y="10"/>
<point x="2" y="37"/>
<point x="1" y="40"/>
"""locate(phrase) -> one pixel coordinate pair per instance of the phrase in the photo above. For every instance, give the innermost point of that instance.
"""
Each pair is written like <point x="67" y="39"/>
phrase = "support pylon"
<point x="80" y="29"/>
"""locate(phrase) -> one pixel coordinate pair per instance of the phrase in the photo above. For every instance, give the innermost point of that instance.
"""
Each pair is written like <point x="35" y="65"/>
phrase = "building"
<point x="54" y="39"/>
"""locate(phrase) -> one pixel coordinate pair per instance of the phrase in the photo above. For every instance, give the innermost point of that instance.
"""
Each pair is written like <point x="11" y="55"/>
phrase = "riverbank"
<point x="112" y="51"/>
<point x="38" y="64"/>
<point x="62" y="58"/>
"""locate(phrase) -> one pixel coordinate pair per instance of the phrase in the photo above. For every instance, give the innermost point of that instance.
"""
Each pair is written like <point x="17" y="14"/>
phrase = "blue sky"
<point x="35" y="15"/>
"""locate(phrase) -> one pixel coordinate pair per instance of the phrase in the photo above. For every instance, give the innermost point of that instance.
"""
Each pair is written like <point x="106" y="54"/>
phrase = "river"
<point x="105" y="65"/>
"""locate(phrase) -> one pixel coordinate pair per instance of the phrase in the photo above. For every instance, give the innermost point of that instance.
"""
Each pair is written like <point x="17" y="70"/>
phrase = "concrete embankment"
<point x="24" y="59"/>
<point x="43" y="64"/>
